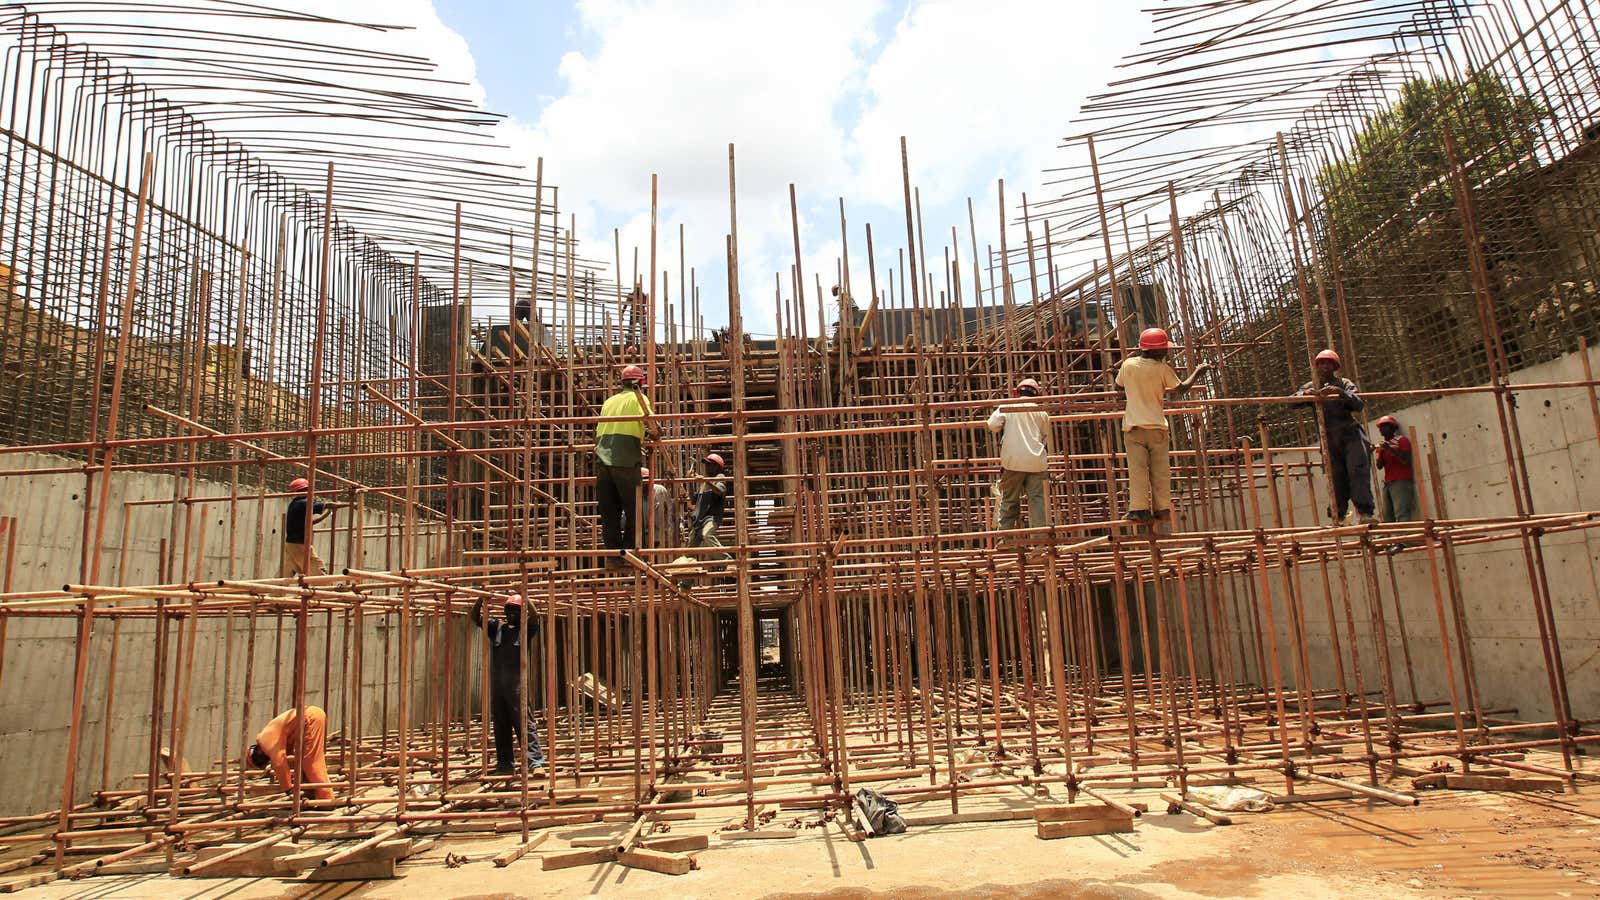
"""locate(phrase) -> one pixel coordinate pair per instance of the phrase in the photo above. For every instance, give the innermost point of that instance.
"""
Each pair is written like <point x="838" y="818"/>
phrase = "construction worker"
<point x="280" y="737"/>
<point x="619" y="441"/>
<point x="709" y="503"/>
<point x="299" y="556"/>
<point x="1399" y="483"/>
<point x="1146" y="377"/>
<point x="663" y="522"/>
<point x="1024" y="429"/>
<point x="1349" y="453"/>
<point x="506" y="650"/>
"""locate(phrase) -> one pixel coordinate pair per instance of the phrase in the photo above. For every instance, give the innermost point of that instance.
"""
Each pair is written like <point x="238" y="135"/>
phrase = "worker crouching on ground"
<point x="663" y="523"/>
<point x="299" y="555"/>
<point x="1399" y="482"/>
<point x="280" y="737"/>
<point x="1348" y="449"/>
<point x="506" y="651"/>
<point x="709" y="503"/>
<point x="619" y="441"/>
<point x="1146" y="377"/>
<point x="1024" y="429"/>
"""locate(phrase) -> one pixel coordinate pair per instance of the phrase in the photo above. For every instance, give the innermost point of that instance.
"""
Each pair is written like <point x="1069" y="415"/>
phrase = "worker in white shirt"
<point x="1024" y="429"/>
<point x="1146" y="377"/>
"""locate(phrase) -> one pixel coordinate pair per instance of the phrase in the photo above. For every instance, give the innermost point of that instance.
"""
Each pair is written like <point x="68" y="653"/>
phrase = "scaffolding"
<point x="200" y="316"/>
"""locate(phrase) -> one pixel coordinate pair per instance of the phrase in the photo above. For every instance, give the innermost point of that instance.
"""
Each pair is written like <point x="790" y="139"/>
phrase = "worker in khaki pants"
<point x="1024" y="430"/>
<point x="281" y="737"/>
<point x="299" y="556"/>
<point x="1146" y="377"/>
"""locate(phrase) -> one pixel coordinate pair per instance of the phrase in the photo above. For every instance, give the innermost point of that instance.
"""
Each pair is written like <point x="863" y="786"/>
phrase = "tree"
<point x="1397" y="170"/>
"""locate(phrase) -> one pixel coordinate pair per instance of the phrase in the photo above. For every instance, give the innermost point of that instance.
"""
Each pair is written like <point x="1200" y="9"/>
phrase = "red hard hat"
<point x="715" y="458"/>
<point x="1028" y="383"/>
<point x="514" y="600"/>
<point x="1154" y="339"/>
<point x="299" y="484"/>
<point x="644" y="472"/>
<point x="1388" y="420"/>
<point x="633" y="373"/>
<point x="1330" y="356"/>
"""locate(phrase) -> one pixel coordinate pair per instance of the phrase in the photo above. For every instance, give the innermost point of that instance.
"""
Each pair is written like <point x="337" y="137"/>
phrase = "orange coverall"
<point x="279" y="738"/>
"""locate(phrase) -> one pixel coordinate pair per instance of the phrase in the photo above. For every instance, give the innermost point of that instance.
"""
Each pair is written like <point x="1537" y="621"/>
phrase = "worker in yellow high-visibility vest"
<point x="619" y="440"/>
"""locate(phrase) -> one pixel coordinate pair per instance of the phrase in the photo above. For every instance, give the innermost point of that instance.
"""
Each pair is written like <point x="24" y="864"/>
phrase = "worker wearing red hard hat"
<point x="1399" y="481"/>
<point x="507" y="650"/>
<point x="619" y="440"/>
<point x="1024" y="429"/>
<point x="1349" y="452"/>
<point x="709" y="502"/>
<point x="1146" y="377"/>
<point x="299" y="554"/>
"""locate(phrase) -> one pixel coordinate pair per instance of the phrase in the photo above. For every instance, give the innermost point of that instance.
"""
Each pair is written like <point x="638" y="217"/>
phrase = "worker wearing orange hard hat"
<point x="1399" y="481"/>
<point x="281" y="737"/>
<point x="619" y="440"/>
<point x="1349" y="452"/>
<point x="1024" y="429"/>
<point x="1146" y="377"/>
<point x="710" y="502"/>
<point x="299" y="554"/>
<point x="506" y="650"/>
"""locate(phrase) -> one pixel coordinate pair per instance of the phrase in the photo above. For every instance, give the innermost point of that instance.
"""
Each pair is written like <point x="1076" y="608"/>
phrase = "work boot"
<point x="505" y="768"/>
<point x="1368" y="519"/>
<point x="1141" y="516"/>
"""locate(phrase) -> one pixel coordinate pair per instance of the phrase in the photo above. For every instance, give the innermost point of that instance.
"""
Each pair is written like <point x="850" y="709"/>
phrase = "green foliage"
<point x="1398" y="171"/>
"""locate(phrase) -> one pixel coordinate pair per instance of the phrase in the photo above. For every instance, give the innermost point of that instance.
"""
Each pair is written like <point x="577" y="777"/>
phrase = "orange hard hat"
<point x="1388" y="420"/>
<point x="1154" y="339"/>
<point x="633" y="373"/>
<point x="715" y="458"/>
<point x="514" y="600"/>
<point x="1330" y="356"/>
<point x="644" y="472"/>
<point x="1027" y="383"/>
<point x="299" y="484"/>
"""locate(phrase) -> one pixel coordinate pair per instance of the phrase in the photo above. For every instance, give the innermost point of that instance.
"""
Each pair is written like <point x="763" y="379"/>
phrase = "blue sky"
<point x="610" y="91"/>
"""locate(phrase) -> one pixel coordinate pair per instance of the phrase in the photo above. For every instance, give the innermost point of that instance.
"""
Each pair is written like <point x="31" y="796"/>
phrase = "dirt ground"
<point x="1457" y="843"/>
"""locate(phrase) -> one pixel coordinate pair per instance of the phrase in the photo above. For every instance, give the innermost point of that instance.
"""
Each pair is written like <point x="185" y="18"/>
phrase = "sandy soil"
<point x="1456" y="844"/>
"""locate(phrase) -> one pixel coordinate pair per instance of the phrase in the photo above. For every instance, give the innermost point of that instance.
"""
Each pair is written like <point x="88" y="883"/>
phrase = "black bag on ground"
<point x="882" y="813"/>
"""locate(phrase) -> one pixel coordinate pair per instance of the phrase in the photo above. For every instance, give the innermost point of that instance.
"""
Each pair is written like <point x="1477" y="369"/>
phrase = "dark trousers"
<point x="1350" y="457"/>
<point x="617" y="491"/>
<point x="505" y="701"/>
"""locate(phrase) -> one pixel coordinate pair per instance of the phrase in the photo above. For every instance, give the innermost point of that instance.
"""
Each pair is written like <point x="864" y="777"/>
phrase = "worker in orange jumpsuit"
<point x="280" y="737"/>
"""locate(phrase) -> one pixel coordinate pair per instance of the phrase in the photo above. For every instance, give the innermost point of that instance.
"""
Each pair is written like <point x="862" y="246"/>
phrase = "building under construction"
<point x="266" y="248"/>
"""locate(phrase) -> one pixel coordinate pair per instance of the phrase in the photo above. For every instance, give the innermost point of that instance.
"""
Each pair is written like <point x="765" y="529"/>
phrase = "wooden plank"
<point x="656" y="861"/>
<point x="985" y="815"/>
<point x="1310" y="796"/>
<point x="18" y="884"/>
<point x="1486" y="783"/>
<point x="677" y="843"/>
<point x="578" y="858"/>
<point x="1077" y="812"/>
<point x="365" y="869"/>
<point x="134" y="867"/>
<point x="507" y="857"/>
<point x="1083" y="828"/>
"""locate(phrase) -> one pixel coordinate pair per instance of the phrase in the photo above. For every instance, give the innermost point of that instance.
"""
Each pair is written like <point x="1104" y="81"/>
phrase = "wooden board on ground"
<point x="1486" y="783"/>
<point x="596" y="690"/>
<point x="656" y="861"/>
<point x="1080" y="820"/>
<point x="677" y="843"/>
<point x="262" y="862"/>
<point x="507" y="857"/>
<point x="982" y="815"/>
<point x="578" y="858"/>
<point x="766" y="834"/>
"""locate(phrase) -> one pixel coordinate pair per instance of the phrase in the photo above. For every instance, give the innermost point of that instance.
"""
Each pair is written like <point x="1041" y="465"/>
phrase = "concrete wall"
<point x="1563" y="456"/>
<point x="360" y="691"/>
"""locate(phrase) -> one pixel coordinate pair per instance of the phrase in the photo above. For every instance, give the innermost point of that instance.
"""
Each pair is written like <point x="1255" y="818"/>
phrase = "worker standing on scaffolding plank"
<point x="710" y="503"/>
<point x="299" y="555"/>
<point x="1399" y="482"/>
<point x="619" y="441"/>
<point x="1024" y="429"/>
<point x="506" y="651"/>
<point x="663" y="525"/>
<point x="281" y="736"/>
<point x="1146" y="377"/>
<point x="1348" y="449"/>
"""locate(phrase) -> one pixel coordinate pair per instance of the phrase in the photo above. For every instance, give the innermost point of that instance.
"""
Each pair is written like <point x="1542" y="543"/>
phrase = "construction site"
<point x="253" y="259"/>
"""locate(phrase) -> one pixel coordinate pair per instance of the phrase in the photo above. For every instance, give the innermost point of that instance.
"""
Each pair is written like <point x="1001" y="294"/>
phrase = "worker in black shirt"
<point x="709" y="504"/>
<point x="506" y="650"/>
<point x="1349" y="452"/>
<point x="299" y="556"/>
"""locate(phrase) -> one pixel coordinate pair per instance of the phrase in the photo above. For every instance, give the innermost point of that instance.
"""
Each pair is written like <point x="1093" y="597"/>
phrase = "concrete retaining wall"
<point x="1563" y="455"/>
